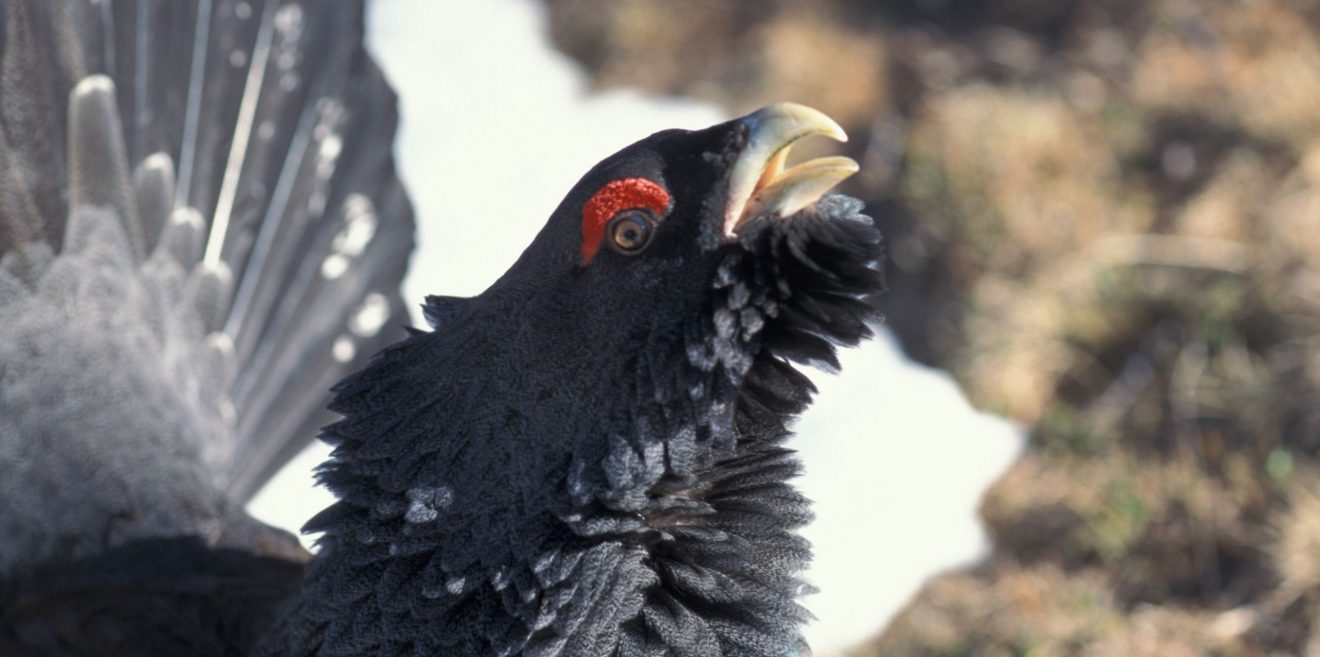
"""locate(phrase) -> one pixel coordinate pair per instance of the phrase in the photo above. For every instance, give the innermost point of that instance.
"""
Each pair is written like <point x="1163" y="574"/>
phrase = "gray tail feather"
<point x="245" y="142"/>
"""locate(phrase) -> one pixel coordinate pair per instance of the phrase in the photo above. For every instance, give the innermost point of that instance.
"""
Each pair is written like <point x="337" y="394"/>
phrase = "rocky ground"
<point x="1105" y="222"/>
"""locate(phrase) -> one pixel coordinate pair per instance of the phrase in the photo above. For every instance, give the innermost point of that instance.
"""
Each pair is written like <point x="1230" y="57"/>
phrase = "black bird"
<point x="586" y="459"/>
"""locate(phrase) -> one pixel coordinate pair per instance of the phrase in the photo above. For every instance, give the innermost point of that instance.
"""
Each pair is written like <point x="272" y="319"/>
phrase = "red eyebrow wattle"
<point x="609" y="200"/>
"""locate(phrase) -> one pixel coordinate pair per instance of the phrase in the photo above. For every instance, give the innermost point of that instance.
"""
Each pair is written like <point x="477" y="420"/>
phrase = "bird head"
<point x="588" y="456"/>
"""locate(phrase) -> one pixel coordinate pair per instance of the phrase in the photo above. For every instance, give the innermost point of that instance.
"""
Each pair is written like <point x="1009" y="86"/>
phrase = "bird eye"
<point x="630" y="231"/>
<point x="637" y="202"/>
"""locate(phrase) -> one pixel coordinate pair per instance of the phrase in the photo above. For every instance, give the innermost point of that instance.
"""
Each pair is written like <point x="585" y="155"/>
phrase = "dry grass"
<point x="1297" y="541"/>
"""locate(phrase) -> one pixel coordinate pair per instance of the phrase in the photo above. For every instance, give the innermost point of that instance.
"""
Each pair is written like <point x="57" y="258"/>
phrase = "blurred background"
<point x="1104" y="223"/>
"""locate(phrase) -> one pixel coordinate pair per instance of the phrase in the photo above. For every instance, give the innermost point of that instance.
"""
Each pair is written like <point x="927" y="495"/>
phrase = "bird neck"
<point x="467" y="524"/>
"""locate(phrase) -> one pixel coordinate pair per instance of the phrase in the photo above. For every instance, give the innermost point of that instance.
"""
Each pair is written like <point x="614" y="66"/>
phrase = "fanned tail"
<point x="201" y="230"/>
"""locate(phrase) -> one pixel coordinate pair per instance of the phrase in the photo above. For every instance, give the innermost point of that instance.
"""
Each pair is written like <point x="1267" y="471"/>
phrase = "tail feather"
<point x="212" y="182"/>
<point x="34" y="105"/>
<point x="153" y="186"/>
<point x="98" y="163"/>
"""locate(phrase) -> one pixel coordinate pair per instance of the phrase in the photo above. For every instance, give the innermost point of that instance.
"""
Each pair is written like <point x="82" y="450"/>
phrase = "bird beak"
<point x="760" y="186"/>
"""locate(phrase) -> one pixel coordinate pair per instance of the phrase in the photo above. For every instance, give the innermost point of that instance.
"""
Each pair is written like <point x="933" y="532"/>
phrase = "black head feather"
<point x="588" y="458"/>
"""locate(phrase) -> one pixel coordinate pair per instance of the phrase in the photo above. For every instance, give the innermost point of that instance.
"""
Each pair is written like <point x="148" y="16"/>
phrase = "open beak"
<point x="760" y="186"/>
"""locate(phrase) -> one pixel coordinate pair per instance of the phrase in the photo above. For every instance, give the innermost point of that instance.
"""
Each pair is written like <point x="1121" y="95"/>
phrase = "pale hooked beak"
<point x="759" y="185"/>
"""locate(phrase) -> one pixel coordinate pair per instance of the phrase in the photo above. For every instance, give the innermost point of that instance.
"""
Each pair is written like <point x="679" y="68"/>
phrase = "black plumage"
<point x="586" y="459"/>
<point x="589" y="459"/>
